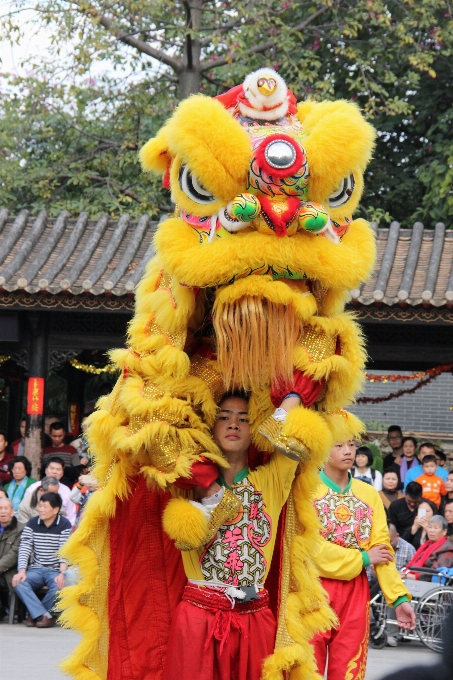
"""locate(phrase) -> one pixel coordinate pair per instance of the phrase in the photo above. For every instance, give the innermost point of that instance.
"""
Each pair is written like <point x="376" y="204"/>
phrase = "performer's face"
<point x="342" y="455"/>
<point x="232" y="428"/>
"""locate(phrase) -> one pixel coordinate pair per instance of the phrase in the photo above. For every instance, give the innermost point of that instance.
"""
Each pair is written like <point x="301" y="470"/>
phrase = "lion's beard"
<point x="255" y="342"/>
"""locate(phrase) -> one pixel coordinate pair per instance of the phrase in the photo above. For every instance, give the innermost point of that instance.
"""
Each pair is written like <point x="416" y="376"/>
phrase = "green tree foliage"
<point x="69" y="139"/>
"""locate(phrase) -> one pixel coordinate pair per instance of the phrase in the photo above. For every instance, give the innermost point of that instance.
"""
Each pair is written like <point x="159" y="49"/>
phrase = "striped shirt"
<point x="41" y="544"/>
<point x="67" y="453"/>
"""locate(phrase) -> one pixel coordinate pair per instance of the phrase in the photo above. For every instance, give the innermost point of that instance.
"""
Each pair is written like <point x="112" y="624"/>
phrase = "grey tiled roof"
<point x="76" y="255"/>
<point x="40" y="253"/>
<point x="414" y="266"/>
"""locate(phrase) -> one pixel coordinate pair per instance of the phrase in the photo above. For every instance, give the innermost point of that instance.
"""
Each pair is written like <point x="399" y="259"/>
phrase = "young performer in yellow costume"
<point x="355" y="535"/>
<point x="246" y="290"/>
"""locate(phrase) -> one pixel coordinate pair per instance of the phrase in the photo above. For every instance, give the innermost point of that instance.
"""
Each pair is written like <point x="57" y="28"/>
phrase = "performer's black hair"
<point x="238" y="394"/>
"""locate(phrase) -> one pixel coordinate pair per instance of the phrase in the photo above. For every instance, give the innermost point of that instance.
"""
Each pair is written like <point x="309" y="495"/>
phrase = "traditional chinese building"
<point x="67" y="293"/>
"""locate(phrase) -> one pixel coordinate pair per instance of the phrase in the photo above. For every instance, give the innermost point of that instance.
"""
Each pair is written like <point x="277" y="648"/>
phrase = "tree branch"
<point x="127" y="39"/>
<point x="105" y="180"/>
<point x="223" y="29"/>
<point x="107" y="142"/>
<point x="258" y="49"/>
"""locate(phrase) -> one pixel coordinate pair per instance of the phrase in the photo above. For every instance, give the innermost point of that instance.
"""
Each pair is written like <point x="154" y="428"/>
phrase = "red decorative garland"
<point x="396" y="377"/>
<point x="426" y="376"/>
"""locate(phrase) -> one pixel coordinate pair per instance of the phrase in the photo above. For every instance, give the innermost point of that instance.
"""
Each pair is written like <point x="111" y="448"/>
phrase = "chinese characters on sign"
<point x="35" y="396"/>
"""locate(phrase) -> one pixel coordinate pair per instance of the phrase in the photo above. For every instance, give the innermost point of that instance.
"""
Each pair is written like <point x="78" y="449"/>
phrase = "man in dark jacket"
<point x="10" y="531"/>
<point x="403" y="511"/>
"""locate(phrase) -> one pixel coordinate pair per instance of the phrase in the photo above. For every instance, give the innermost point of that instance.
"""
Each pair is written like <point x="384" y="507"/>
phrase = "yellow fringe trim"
<point x="307" y="609"/>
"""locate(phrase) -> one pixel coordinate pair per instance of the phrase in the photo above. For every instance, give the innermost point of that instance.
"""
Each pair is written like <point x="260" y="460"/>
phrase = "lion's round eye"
<point x="343" y="193"/>
<point x="192" y="187"/>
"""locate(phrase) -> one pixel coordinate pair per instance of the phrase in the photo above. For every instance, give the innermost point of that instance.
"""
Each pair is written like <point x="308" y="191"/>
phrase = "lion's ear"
<point x="339" y="142"/>
<point x="154" y="155"/>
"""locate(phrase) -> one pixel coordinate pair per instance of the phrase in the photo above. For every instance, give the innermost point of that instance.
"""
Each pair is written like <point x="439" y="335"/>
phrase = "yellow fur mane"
<point x="157" y="421"/>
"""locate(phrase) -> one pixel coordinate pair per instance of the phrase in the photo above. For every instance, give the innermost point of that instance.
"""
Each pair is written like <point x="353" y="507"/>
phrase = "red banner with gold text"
<point x="35" y="396"/>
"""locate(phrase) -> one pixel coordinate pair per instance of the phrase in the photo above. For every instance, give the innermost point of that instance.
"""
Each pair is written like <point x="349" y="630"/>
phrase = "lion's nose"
<point x="279" y="156"/>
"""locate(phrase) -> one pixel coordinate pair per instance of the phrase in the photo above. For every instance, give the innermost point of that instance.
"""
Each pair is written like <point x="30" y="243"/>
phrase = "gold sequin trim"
<point x="291" y="447"/>
<point x="225" y="511"/>
<point x="136" y="422"/>
<point x="318" y="344"/>
<point x="109" y="472"/>
<point x="151" y="391"/>
<point x="202" y="368"/>
<point x="166" y="283"/>
<point x="177" y="339"/>
<point x="163" y="454"/>
<point x="283" y="638"/>
<point x="112" y="404"/>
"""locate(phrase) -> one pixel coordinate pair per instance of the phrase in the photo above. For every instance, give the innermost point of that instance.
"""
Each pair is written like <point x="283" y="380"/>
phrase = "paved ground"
<point x="32" y="653"/>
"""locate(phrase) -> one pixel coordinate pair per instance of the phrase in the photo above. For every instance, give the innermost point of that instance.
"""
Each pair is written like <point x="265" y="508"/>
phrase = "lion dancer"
<point x="355" y="536"/>
<point x="223" y="628"/>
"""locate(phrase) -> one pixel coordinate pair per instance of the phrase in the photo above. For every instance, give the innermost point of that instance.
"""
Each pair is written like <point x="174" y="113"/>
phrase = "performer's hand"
<point x="19" y="577"/>
<point x="380" y="554"/>
<point x="405" y="616"/>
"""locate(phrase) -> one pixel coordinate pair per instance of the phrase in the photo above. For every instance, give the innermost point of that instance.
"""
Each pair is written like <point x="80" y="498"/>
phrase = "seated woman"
<point x="390" y="491"/>
<point x="362" y="469"/>
<point x="435" y="553"/>
<point x="417" y="534"/>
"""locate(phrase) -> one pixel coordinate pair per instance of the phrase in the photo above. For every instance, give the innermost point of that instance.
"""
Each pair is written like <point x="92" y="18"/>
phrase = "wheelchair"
<point x="432" y="603"/>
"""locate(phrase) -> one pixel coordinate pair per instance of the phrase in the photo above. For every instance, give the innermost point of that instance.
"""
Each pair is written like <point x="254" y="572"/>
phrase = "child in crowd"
<point x="433" y="486"/>
<point x="362" y="469"/>
<point x="81" y="492"/>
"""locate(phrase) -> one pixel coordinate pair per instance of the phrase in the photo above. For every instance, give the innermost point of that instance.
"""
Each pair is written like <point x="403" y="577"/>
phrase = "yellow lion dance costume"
<point x="247" y="289"/>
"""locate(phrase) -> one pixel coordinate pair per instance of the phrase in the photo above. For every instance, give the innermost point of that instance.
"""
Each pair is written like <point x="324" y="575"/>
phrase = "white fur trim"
<point x="255" y="114"/>
<point x="231" y="224"/>
<point x="329" y="233"/>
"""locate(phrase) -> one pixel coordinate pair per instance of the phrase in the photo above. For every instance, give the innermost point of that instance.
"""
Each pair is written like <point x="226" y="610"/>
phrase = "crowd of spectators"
<point x="37" y="516"/>
<point x="416" y="489"/>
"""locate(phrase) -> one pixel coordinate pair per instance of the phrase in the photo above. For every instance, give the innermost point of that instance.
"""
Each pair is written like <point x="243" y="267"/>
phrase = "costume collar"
<point x="328" y="482"/>
<point x="237" y="479"/>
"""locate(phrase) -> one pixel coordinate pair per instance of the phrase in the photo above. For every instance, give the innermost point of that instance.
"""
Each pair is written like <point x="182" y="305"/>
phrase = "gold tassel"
<point x="255" y="342"/>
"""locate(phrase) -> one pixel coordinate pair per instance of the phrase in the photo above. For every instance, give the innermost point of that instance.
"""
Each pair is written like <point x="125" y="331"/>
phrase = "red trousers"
<point x="348" y="644"/>
<point x="211" y="641"/>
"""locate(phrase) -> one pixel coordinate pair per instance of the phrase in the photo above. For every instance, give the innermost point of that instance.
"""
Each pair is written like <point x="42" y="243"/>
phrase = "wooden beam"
<point x="37" y="370"/>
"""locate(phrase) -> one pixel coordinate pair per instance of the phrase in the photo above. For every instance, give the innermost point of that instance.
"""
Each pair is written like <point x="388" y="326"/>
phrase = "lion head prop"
<point x="246" y="290"/>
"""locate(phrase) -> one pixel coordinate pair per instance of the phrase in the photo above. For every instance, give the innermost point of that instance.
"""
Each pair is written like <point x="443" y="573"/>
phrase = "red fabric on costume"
<point x="348" y="644"/>
<point x="202" y="473"/>
<point x="142" y="599"/>
<point x="255" y="457"/>
<point x="206" y="352"/>
<point x="211" y="641"/>
<point x="308" y="389"/>
<point x="302" y="384"/>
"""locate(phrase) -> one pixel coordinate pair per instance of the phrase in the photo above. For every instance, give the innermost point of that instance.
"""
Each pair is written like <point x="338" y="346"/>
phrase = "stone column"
<point x="37" y="371"/>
